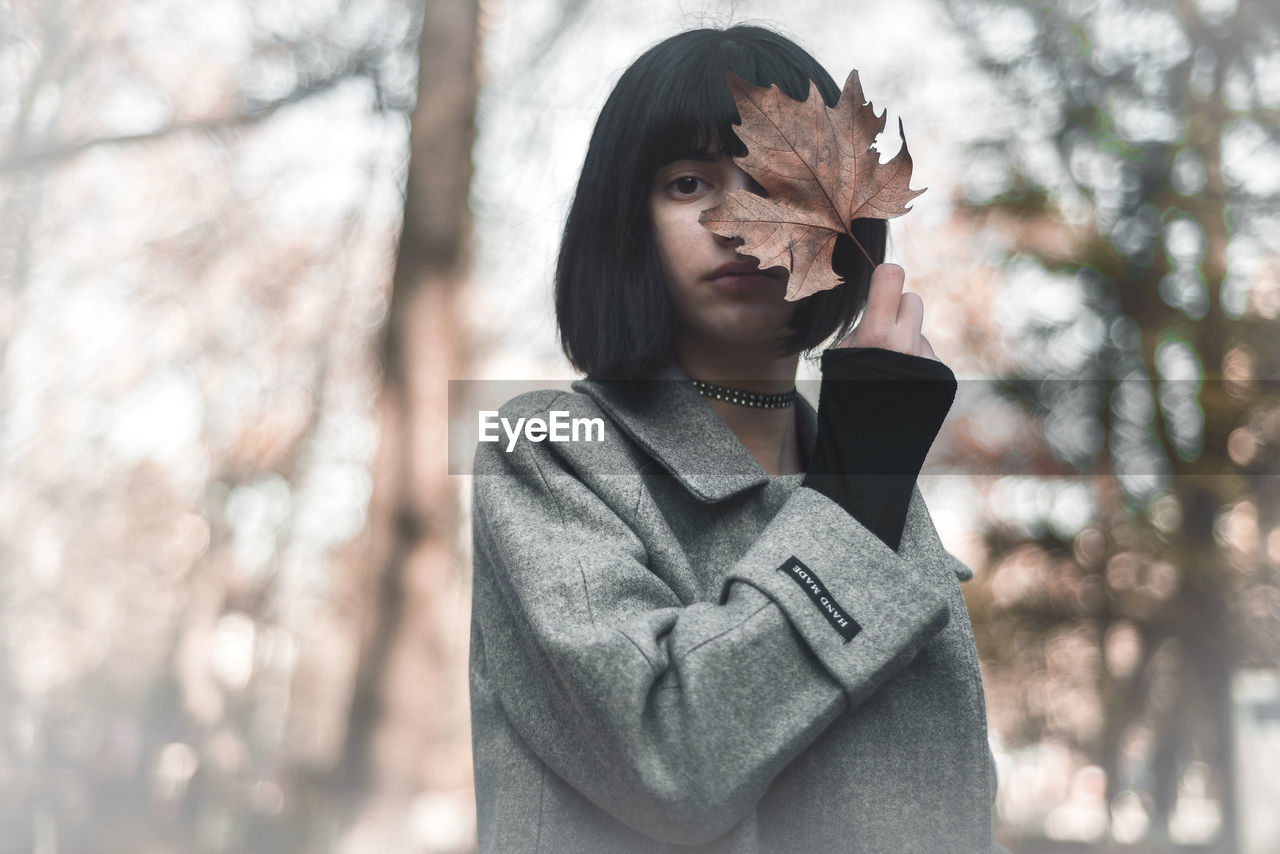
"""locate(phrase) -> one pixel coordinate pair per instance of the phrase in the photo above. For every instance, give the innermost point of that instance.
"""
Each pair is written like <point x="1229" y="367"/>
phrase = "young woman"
<point x="729" y="625"/>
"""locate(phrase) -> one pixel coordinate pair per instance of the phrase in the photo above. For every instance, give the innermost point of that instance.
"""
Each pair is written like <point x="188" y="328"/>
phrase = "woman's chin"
<point x="755" y="329"/>
<point x="745" y="334"/>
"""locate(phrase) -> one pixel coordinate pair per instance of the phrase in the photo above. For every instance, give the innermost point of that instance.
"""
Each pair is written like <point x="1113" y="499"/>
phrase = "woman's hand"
<point x="892" y="318"/>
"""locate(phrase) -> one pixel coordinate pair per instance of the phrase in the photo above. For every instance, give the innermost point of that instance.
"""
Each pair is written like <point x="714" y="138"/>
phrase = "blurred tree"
<point x="408" y="736"/>
<point x="408" y="747"/>
<point x="1134" y="192"/>
<point x="190" y="273"/>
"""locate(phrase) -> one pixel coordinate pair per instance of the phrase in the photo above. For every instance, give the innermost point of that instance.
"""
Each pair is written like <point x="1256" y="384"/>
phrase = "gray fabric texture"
<point x="644" y="677"/>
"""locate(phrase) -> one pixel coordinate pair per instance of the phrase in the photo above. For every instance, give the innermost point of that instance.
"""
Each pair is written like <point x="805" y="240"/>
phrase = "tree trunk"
<point x="408" y="732"/>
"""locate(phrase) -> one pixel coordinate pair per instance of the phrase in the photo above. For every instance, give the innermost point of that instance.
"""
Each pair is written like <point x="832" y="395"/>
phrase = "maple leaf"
<point x="820" y="172"/>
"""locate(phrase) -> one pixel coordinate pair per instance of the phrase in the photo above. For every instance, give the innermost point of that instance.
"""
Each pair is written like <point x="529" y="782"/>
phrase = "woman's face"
<point x="720" y="295"/>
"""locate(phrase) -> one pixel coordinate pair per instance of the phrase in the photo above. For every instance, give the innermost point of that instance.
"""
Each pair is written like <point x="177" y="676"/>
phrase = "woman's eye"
<point x="686" y="185"/>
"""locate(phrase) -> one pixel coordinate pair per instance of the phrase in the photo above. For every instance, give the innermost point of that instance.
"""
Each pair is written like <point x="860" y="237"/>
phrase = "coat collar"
<point x="677" y="427"/>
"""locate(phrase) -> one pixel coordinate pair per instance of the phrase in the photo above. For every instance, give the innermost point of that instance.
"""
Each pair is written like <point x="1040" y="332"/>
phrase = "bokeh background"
<point x="244" y="246"/>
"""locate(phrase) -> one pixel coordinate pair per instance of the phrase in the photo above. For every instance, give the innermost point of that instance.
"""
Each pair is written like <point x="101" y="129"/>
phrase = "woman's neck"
<point x="769" y="434"/>
<point x="748" y="367"/>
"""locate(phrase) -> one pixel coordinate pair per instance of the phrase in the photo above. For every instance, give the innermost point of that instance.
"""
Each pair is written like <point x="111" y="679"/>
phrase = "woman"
<point x="730" y="625"/>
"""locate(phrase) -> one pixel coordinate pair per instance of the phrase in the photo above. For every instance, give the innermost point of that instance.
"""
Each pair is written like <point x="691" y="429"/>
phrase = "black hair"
<point x="615" y="316"/>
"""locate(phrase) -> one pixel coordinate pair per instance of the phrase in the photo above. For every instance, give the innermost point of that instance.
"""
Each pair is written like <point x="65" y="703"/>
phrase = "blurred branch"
<point x="569" y="13"/>
<point x="359" y="65"/>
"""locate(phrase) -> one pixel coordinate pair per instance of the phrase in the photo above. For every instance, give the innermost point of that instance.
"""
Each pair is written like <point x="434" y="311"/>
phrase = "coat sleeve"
<point x="673" y="717"/>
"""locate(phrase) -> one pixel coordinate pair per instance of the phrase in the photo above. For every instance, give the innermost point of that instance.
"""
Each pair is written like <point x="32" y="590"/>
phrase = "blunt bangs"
<point x="690" y="109"/>
<point x="615" y="316"/>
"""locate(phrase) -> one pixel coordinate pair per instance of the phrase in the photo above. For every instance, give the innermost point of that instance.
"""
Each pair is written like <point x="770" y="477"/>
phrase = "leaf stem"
<point x="865" y="253"/>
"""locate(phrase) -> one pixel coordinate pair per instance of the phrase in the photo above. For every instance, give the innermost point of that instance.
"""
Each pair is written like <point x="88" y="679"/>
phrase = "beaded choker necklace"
<point x="745" y="398"/>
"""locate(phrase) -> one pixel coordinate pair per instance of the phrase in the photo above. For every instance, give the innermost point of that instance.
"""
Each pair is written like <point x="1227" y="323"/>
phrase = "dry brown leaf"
<point x="818" y="167"/>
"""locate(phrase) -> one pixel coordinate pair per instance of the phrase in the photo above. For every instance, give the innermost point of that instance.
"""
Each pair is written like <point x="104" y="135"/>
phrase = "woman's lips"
<point x="746" y="275"/>
<point x="745" y="281"/>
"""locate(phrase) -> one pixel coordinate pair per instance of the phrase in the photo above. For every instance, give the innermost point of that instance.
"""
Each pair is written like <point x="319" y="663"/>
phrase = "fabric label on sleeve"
<point x="835" y="613"/>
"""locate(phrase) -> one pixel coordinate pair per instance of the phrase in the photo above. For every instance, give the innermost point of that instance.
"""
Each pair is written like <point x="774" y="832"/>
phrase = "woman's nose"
<point x="743" y="181"/>
<point x="727" y="241"/>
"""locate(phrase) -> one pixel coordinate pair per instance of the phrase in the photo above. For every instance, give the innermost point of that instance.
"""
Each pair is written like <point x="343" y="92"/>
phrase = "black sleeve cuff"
<point x="866" y="363"/>
<point x="878" y="414"/>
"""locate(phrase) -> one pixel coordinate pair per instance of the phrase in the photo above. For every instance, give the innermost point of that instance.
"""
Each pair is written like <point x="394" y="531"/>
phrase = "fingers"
<point x="910" y="313"/>
<point x="926" y="349"/>
<point x="883" y="297"/>
<point x="892" y="319"/>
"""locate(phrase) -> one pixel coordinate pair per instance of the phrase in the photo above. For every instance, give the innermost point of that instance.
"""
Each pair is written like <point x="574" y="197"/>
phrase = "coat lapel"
<point x="677" y="427"/>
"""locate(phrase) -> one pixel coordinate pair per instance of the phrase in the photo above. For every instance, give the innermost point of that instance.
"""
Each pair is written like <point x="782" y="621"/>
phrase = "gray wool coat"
<point x="673" y="651"/>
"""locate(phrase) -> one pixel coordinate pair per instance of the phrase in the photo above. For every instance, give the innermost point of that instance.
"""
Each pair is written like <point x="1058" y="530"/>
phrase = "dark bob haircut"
<point x="615" y="316"/>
